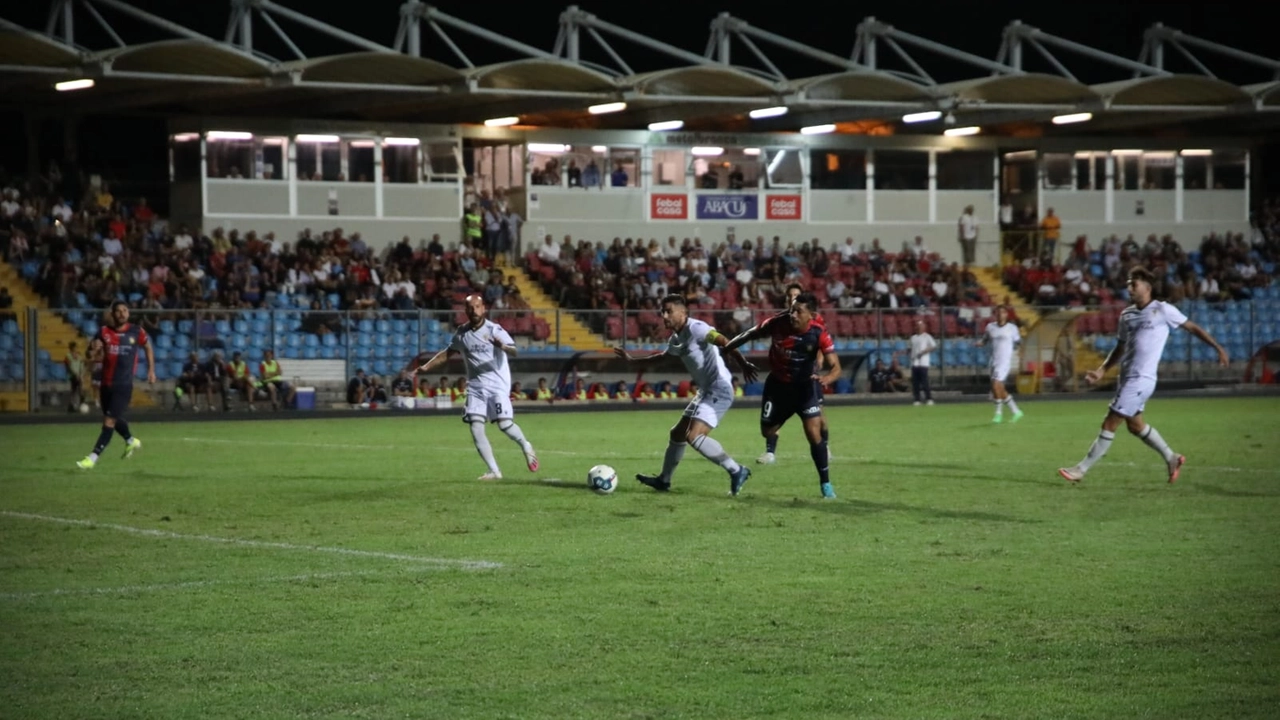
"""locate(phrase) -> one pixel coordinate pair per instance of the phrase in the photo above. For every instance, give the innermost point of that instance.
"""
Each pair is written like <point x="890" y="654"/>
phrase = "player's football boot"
<point x="1074" y="474"/>
<point x="87" y="463"/>
<point x="828" y="492"/>
<point x="1175" y="467"/>
<point x="767" y="459"/>
<point x="1016" y="416"/>
<point x="654" y="481"/>
<point x="490" y="476"/>
<point x="133" y="444"/>
<point x="531" y="458"/>
<point x="998" y="418"/>
<point x="738" y="479"/>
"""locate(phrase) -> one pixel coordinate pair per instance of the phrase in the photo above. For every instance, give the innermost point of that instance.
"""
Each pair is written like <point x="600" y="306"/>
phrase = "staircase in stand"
<point x="573" y="332"/>
<point x="990" y="280"/>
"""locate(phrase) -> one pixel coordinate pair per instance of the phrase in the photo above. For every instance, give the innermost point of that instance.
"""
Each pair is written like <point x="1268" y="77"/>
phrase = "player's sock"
<point x="999" y="406"/>
<point x="104" y="438"/>
<point x="821" y="461"/>
<point x="483" y="447"/>
<point x="1152" y="438"/>
<point x="1013" y="406"/>
<point x="713" y="451"/>
<point x="771" y="444"/>
<point x="122" y="427"/>
<point x="513" y="431"/>
<point x="675" y="451"/>
<point x="825" y="436"/>
<point x="1097" y="450"/>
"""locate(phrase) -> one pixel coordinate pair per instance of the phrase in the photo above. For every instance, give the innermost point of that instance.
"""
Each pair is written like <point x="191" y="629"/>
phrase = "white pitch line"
<point x="442" y="562"/>
<point x="341" y="446"/>
<point x="158" y="587"/>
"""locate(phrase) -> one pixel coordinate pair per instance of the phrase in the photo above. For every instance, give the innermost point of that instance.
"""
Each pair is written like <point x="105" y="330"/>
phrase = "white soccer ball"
<point x="603" y="479"/>
<point x="84" y="408"/>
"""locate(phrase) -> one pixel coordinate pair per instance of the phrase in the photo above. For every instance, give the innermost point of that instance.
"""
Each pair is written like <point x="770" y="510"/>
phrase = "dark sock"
<point x="825" y="436"/>
<point x="104" y="438"/>
<point x="820" y="461"/>
<point x="771" y="444"/>
<point x="122" y="427"/>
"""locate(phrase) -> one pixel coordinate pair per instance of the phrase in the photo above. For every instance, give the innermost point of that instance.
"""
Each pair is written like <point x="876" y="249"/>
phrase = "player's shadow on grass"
<point x="911" y="465"/>
<point x="1226" y="492"/>
<point x="853" y="506"/>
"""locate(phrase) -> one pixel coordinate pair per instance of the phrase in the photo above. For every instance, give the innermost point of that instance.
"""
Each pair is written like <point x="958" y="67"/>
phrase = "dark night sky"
<point x="974" y="27"/>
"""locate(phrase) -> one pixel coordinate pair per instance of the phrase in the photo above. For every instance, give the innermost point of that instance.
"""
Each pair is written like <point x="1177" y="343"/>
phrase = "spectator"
<point x="241" y="379"/>
<point x="1051" y="229"/>
<point x="377" y="391"/>
<point x="543" y="392"/>
<point x="968" y="234"/>
<point x="273" y="380"/>
<point x="517" y="392"/>
<point x="215" y="374"/>
<point x="74" y="362"/>
<point x="358" y="389"/>
<point x="881" y="379"/>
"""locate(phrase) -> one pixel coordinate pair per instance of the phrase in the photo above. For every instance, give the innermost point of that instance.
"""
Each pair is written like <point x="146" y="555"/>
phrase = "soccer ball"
<point x="603" y="479"/>
<point x="84" y="408"/>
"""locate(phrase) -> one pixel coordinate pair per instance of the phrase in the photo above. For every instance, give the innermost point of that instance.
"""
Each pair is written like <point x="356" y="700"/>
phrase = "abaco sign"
<point x="782" y="207"/>
<point x="727" y="207"/>
<point x="668" y="207"/>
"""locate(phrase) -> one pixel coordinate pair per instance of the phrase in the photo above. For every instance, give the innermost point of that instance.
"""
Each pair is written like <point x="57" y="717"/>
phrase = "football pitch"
<point x="357" y="568"/>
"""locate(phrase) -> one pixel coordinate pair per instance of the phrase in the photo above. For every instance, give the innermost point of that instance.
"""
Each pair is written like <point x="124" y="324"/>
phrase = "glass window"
<point x="400" y="163"/>
<point x="230" y="158"/>
<point x="1158" y="170"/>
<point x="273" y="159"/>
<point x="732" y="169"/>
<point x="584" y="166"/>
<point x="782" y="168"/>
<point x="319" y="160"/>
<point x="624" y="167"/>
<point x="965" y="170"/>
<point x="360" y="160"/>
<point x="545" y="168"/>
<point x="669" y="167"/>
<point x="838" y="169"/>
<point x="308" y="160"/>
<point x="185" y="150"/>
<point x="443" y="161"/>
<point x="1195" y="172"/>
<point x="901" y="169"/>
<point x="1091" y="170"/>
<point x="1228" y="169"/>
<point x="1128" y="177"/>
<point x="1057" y="171"/>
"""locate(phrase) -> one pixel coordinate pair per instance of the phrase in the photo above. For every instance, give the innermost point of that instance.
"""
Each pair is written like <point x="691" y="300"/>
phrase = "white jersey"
<point x="1144" y="333"/>
<point x="700" y="357"/>
<point x="1002" y="339"/>
<point x="922" y="346"/>
<point x="487" y="368"/>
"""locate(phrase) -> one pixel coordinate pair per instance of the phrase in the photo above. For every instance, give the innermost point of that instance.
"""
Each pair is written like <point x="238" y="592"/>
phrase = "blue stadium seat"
<point x="329" y="340"/>
<point x="162" y="353"/>
<point x="293" y="340"/>
<point x="17" y="371"/>
<point x="399" y="327"/>
<point x="382" y="326"/>
<point x="380" y="367"/>
<point x="289" y="353"/>
<point x="185" y="326"/>
<point x="311" y="341"/>
<point x="334" y="353"/>
<point x="433" y="326"/>
<point x="310" y="353"/>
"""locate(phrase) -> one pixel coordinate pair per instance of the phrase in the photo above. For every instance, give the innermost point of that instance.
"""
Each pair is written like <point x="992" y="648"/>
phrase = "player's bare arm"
<point x="749" y="371"/>
<point x="1203" y="336"/>
<point x="833" y="369"/>
<point x="510" y="350"/>
<point x="1113" y="357"/>
<point x="94" y="354"/>
<point x="746" y="336"/>
<point x="435" y="361"/>
<point x="641" y="359"/>
<point x="151" y="363"/>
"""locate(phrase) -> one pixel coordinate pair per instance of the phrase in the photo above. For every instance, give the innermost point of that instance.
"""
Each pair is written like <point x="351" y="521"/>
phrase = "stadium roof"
<point x="193" y="73"/>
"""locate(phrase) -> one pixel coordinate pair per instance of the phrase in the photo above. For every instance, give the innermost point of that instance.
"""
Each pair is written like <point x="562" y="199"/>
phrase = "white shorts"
<point x="999" y="372"/>
<point x="487" y="406"/>
<point x="1132" y="396"/>
<point x="710" y="405"/>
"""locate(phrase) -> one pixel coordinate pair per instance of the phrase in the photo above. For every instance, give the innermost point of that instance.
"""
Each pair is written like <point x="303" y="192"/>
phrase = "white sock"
<point x="713" y="451"/>
<point x="675" y="451"/>
<point x="1013" y="406"/>
<point x="999" y="406"/>
<point x="1097" y="450"/>
<point x="513" y="431"/>
<point x="483" y="447"/>
<point x="1152" y="438"/>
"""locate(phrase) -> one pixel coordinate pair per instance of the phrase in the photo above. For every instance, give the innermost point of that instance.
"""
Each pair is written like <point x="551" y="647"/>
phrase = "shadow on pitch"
<point x="1226" y="492"/>
<point x="913" y="465"/>
<point x="852" y="506"/>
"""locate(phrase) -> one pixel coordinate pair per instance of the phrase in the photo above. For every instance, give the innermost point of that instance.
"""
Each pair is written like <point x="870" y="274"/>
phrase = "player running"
<point x="485" y="347"/>
<point x="698" y="345"/>
<point x="1002" y="336"/>
<point x="1143" y="331"/>
<point x="116" y="347"/>
<point x="794" y="386"/>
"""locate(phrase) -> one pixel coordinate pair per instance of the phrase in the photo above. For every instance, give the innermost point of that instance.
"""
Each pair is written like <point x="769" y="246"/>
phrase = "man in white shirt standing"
<point x="968" y="232"/>
<point x="1002" y="336"/>
<point x="485" y="347"/>
<point x="922" y="347"/>
<point x="697" y="344"/>
<point x="1143" y="331"/>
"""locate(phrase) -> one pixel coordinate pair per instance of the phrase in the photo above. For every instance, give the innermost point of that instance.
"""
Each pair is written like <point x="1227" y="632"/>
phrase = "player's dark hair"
<point x="809" y="300"/>
<point x="117" y="303"/>
<point x="1139" y="272"/>
<point x="675" y="299"/>
<point x="794" y="286"/>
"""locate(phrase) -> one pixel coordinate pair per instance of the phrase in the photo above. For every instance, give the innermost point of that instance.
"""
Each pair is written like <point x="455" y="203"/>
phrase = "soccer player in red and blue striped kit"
<point x="116" y="346"/>
<point x="794" y="386"/>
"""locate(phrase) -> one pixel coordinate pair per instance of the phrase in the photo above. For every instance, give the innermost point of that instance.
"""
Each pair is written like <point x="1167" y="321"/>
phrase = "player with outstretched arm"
<point x="698" y="345"/>
<point x="116" y="347"/>
<point x="1143" y="331"/>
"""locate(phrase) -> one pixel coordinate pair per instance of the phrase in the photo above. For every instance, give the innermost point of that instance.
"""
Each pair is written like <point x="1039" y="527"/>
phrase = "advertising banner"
<point x="667" y="206"/>
<point x="728" y="207"/>
<point x="782" y="207"/>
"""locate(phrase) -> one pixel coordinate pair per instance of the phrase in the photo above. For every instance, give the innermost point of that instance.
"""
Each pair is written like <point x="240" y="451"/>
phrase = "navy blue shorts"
<point x="783" y="399"/>
<point x="115" y="400"/>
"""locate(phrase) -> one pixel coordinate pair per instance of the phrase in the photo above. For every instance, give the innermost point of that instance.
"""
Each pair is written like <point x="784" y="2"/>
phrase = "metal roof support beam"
<point x="240" y="25"/>
<point x="587" y="20"/>
<point x="284" y="37"/>
<point x="1016" y="30"/>
<point x="267" y="6"/>
<point x="872" y="28"/>
<point x="101" y="21"/>
<point x="433" y="15"/>
<point x="1062" y="69"/>
<point x="448" y="41"/>
<point x="155" y="20"/>
<point x="727" y="25"/>
<point x="622" y="64"/>
<point x="1191" y="58"/>
<point x="410" y="29"/>
<point x="61" y="11"/>
<point x="1158" y="33"/>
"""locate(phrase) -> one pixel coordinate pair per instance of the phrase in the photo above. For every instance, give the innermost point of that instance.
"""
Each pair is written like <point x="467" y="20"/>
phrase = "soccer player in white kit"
<point x="485" y="347"/>
<point x="697" y="344"/>
<point x="1144" y="329"/>
<point x="1002" y="336"/>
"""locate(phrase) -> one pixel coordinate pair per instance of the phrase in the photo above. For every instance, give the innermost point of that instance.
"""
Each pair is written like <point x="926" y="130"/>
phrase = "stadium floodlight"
<point x="317" y="138"/>
<point x="601" y="149"/>
<point x="547" y="147"/>
<point x="1072" y="118"/>
<point x="228" y="135"/>
<point x="750" y="151"/>
<point x="360" y="144"/>
<point x="405" y="142"/>
<point x="1196" y="153"/>
<point x="502" y="121"/>
<point x="666" y="125"/>
<point x="1126" y="152"/>
<point x="818" y="129"/>
<point x="81" y="84"/>
<point x="768" y="112"/>
<point x="706" y="150"/>
<point x="962" y="131"/>
<point x="920" y="117"/>
<point x="605" y="108"/>
<point x="186" y="137"/>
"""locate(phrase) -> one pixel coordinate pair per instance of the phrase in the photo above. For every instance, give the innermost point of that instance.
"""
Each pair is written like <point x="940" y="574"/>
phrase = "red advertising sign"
<point x="782" y="207"/>
<point x="668" y="207"/>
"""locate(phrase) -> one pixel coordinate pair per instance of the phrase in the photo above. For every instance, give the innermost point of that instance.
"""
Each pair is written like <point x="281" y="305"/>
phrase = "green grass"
<point x="955" y="577"/>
